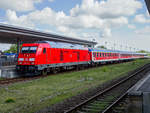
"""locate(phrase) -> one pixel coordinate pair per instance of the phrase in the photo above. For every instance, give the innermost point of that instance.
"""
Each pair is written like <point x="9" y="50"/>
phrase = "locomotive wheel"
<point x="44" y="72"/>
<point x="54" y="71"/>
<point x="77" y="68"/>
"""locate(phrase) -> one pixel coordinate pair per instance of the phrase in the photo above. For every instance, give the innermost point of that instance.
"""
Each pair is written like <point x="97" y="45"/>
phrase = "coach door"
<point x="44" y="56"/>
<point x="78" y="56"/>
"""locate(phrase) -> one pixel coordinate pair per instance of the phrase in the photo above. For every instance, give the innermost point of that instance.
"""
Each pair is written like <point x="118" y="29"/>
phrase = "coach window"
<point x="94" y="54"/>
<point x="97" y="54"/>
<point x="44" y="50"/>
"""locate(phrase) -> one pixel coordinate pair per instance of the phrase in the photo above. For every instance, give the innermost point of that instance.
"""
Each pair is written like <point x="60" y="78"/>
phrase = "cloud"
<point x="51" y="0"/>
<point x="107" y="9"/>
<point x="22" y="21"/>
<point x="143" y="31"/>
<point x="99" y="16"/>
<point x="106" y="32"/>
<point x="19" y="5"/>
<point x="141" y="19"/>
<point x="131" y="26"/>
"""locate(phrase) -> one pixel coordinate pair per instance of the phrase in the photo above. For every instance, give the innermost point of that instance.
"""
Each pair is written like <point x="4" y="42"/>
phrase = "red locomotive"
<point x="43" y="56"/>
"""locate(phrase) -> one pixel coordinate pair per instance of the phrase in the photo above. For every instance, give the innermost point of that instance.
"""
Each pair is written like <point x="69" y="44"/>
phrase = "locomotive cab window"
<point x="24" y="49"/>
<point x="44" y="50"/>
<point x="31" y="49"/>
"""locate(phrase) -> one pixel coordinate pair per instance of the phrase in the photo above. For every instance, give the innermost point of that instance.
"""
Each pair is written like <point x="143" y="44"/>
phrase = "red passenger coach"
<point x="99" y="55"/>
<point x="51" y="56"/>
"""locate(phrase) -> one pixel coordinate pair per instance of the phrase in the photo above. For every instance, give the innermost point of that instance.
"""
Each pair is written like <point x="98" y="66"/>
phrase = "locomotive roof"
<point x="64" y="45"/>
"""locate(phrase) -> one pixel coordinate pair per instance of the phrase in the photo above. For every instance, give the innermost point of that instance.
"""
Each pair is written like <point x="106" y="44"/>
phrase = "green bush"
<point x="105" y="69"/>
<point x="9" y="100"/>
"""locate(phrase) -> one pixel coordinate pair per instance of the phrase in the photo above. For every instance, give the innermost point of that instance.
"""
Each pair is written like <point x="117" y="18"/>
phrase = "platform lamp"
<point x="106" y="44"/>
<point x="120" y="47"/>
<point x="130" y="48"/>
<point x="134" y="49"/>
<point x="126" y="48"/>
<point x="114" y="46"/>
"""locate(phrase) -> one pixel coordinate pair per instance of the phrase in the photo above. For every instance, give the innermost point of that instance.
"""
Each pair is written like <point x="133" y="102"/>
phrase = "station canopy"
<point x="11" y="34"/>
<point x="148" y="4"/>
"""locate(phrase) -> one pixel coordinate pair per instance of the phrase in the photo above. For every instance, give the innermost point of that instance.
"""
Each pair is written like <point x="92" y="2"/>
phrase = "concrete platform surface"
<point x="140" y="87"/>
<point x="9" y="67"/>
<point x="8" y="71"/>
<point x="141" y="90"/>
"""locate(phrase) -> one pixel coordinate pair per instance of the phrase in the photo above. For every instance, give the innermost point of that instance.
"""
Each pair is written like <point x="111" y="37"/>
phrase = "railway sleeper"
<point x="80" y="112"/>
<point x="118" y="110"/>
<point x="89" y="110"/>
<point x="93" y="107"/>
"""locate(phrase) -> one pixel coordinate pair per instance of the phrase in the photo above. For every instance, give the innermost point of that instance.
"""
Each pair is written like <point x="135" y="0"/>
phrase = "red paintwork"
<point x="52" y="55"/>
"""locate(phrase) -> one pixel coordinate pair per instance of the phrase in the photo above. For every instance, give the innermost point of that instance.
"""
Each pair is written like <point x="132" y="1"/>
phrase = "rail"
<point x="101" y="94"/>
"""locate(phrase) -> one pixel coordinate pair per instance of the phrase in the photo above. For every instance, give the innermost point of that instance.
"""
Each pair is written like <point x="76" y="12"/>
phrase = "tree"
<point x="13" y="49"/>
<point x="101" y="47"/>
<point x="142" y="51"/>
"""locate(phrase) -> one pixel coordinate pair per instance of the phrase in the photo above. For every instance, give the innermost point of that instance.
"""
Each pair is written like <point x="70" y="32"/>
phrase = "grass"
<point x="37" y="94"/>
<point x="1" y="78"/>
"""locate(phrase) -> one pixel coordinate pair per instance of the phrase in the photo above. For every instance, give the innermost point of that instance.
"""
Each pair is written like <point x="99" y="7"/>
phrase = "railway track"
<point x="20" y="79"/>
<point x="14" y="80"/>
<point x="106" y="100"/>
<point x="118" y="106"/>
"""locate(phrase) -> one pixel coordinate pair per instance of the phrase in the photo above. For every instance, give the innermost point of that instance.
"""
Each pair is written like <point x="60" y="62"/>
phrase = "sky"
<point x="116" y="24"/>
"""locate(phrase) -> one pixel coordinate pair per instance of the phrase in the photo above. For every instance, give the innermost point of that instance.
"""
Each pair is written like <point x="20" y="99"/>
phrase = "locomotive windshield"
<point x="29" y="49"/>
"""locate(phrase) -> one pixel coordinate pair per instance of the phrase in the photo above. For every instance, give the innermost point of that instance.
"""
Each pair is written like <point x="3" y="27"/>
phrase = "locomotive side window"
<point x="44" y="50"/>
<point x="61" y="56"/>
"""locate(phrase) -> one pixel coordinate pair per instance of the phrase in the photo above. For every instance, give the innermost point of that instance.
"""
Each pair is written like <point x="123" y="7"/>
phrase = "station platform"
<point x="8" y="71"/>
<point x="139" y="96"/>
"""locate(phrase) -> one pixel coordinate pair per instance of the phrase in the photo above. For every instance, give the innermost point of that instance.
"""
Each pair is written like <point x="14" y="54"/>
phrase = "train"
<point x="45" y="56"/>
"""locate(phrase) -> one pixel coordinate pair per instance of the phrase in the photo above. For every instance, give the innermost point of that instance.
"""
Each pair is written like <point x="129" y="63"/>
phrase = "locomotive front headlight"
<point x="21" y="59"/>
<point x="31" y="59"/>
